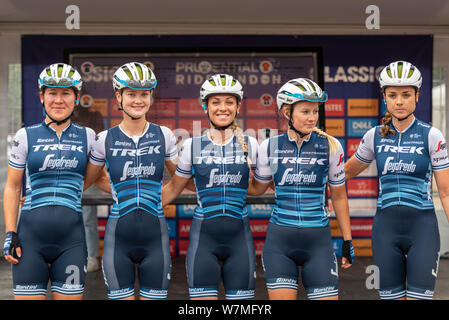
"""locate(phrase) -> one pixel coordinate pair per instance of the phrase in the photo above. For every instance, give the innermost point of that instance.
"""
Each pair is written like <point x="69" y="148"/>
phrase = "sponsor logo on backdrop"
<point x="353" y="144"/>
<point x="362" y="188"/>
<point x="358" y="127"/>
<point x="335" y="127"/>
<point x="259" y="227"/>
<point x="363" y="107"/>
<point x="184" y="227"/>
<point x="352" y="74"/>
<point x="335" y="108"/>
<point x="252" y="73"/>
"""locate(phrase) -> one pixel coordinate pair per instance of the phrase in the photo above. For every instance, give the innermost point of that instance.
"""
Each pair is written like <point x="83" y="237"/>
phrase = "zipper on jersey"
<point x="58" y="170"/>
<point x="397" y="174"/>
<point x="224" y="184"/>
<point x="298" y="187"/>
<point x="137" y="176"/>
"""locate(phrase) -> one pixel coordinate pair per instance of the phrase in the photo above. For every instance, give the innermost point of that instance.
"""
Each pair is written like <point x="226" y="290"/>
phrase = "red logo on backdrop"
<point x="183" y="245"/>
<point x="335" y="107"/>
<point x="362" y="188"/>
<point x="184" y="227"/>
<point x="352" y="145"/>
<point x="361" y="227"/>
<point x="258" y="246"/>
<point x="258" y="227"/>
<point x="172" y="248"/>
<point x="102" y="227"/>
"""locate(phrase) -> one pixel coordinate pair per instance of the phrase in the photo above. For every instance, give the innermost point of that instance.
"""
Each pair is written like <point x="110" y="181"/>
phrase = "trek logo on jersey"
<point x="140" y="170"/>
<point x="398" y="166"/>
<point x="60" y="163"/>
<point x="226" y="178"/>
<point x="441" y="146"/>
<point x="297" y="178"/>
<point x="135" y="152"/>
<point x="221" y="160"/>
<point x="55" y="147"/>
<point x="285" y="160"/>
<point x="396" y="149"/>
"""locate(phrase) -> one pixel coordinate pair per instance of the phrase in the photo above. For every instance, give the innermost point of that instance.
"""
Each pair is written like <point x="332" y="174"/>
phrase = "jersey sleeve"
<point x="90" y="139"/>
<point x="365" y="151"/>
<point x="253" y="151"/>
<point x="438" y="150"/>
<point x="184" y="168"/>
<point x="263" y="170"/>
<point x="98" y="151"/>
<point x="171" y="149"/>
<point x="19" y="150"/>
<point x="337" y="166"/>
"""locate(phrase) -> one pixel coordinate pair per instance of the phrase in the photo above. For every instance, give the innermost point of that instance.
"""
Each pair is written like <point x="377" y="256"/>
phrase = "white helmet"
<point x="300" y="89"/>
<point x="400" y="73"/>
<point x="60" y="75"/>
<point x="221" y="83"/>
<point x="134" y="75"/>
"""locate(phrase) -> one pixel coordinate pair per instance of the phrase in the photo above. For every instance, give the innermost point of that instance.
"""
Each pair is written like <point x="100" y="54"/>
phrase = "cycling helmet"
<point x="134" y="75"/>
<point x="400" y="73"/>
<point x="60" y="75"/>
<point x="300" y="89"/>
<point x="220" y="83"/>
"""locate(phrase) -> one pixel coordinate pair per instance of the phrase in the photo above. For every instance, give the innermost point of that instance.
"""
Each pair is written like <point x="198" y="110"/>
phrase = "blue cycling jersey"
<point x="135" y="166"/>
<point x="405" y="162"/>
<point x="221" y="175"/>
<point x="300" y="174"/>
<point x="55" y="165"/>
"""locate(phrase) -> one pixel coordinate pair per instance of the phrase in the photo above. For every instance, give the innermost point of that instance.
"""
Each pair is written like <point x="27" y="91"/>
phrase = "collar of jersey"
<point x="65" y="129"/>
<point x="411" y="125"/>
<point x="143" y="133"/>
<point x="217" y="144"/>
<point x="294" y="140"/>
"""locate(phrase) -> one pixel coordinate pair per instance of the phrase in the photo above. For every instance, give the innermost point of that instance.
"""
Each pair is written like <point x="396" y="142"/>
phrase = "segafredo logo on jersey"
<point x="296" y="178"/>
<point x="301" y="160"/>
<point x="221" y="160"/>
<point x="135" y="152"/>
<point x="55" y="147"/>
<point x="399" y="149"/>
<point x="59" y="163"/>
<point x="226" y="178"/>
<point x="402" y="166"/>
<point x="140" y="170"/>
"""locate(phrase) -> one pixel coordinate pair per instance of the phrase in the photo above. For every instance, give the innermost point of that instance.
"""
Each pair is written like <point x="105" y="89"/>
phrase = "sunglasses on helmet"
<point x="139" y="84"/>
<point x="59" y="83"/>
<point x="309" y="96"/>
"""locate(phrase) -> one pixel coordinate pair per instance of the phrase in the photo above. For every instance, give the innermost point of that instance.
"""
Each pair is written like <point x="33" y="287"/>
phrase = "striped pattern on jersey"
<point x="404" y="165"/>
<point x="55" y="166"/>
<point x="135" y="171"/>
<point x="300" y="175"/>
<point x="221" y="176"/>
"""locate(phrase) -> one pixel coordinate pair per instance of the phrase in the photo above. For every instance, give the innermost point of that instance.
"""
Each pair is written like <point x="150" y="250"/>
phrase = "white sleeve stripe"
<point x="438" y="168"/>
<point x="184" y="174"/>
<point x="16" y="166"/>
<point x="337" y="183"/>
<point x="362" y="159"/>
<point x="262" y="178"/>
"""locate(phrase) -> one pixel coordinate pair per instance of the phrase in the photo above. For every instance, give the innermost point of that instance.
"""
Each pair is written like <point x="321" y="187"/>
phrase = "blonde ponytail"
<point x="241" y="140"/>
<point x="333" y="146"/>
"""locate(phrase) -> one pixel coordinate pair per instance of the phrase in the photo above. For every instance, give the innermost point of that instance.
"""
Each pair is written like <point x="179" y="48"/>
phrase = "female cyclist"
<point x="135" y="153"/>
<point x="221" y="244"/>
<point x="300" y="162"/>
<point x="405" y="237"/>
<point x="49" y="243"/>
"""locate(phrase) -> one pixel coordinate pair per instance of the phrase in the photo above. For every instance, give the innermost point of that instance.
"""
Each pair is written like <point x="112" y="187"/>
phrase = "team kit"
<point x="59" y="159"/>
